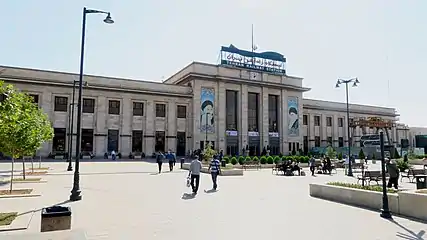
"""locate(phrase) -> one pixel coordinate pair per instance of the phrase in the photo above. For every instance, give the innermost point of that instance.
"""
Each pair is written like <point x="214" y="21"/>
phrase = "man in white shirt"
<point x="194" y="173"/>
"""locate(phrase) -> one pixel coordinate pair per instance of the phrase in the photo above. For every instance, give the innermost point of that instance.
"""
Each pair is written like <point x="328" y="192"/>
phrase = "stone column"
<point x="284" y="121"/>
<point x="126" y="126"/>
<point x="149" y="131"/>
<point x="171" y="126"/>
<point x="47" y="106"/>
<point x="264" y="118"/>
<point x="243" y="130"/>
<point x="101" y="131"/>
<point x="221" y="113"/>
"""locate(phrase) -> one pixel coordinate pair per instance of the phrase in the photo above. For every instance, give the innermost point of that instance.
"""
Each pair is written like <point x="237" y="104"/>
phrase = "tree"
<point x="330" y="152"/>
<point x="23" y="126"/>
<point x="208" y="153"/>
<point x="361" y="154"/>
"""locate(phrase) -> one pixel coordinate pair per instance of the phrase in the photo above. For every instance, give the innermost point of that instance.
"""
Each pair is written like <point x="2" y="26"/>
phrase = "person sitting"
<point x="296" y="167"/>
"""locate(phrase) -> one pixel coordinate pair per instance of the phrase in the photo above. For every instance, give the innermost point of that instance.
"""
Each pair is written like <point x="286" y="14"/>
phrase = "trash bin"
<point x="421" y="181"/>
<point x="223" y="164"/>
<point x="55" y="218"/>
<point x="182" y="163"/>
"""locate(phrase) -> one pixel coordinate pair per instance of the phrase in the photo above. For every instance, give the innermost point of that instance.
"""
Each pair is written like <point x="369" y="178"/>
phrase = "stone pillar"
<point x="283" y="124"/>
<point x="243" y="131"/>
<point x="171" y="126"/>
<point x="264" y="118"/>
<point x="149" y="131"/>
<point x="47" y="105"/>
<point x="323" y="131"/>
<point x="221" y="113"/>
<point x="101" y="131"/>
<point x="312" y="135"/>
<point x="126" y="126"/>
<point x="335" y="133"/>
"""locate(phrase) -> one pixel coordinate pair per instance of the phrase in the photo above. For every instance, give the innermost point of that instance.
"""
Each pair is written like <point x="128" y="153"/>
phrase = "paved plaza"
<point x="128" y="200"/>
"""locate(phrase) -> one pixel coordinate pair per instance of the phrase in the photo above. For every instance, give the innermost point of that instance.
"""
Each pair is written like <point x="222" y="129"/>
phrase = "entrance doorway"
<point x="160" y="141"/>
<point x="180" y="143"/>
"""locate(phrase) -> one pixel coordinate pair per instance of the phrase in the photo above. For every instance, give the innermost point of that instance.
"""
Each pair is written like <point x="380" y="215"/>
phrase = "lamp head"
<point x="356" y="81"/>
<point x="108" y="19"/>
<point x="337" y="85"/>
<point x="355" y="84"/>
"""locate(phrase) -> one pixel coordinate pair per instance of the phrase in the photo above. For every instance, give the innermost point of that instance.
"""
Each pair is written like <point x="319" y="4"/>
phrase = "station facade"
<point x="229" y="107"/>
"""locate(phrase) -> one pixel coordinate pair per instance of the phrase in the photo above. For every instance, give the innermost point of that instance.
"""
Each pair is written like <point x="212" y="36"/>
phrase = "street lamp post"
<point x="71" y="127"/>
<point x="355" y="81"/>
<point x="385" y="211"/>
<point x="75" y="192"/>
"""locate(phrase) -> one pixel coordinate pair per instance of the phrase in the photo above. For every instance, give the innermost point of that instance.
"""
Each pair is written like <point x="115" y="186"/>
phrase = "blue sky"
<point x="382" y="42"/>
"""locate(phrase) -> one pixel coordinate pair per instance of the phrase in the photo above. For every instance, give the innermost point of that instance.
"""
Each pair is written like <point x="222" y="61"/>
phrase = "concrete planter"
<point x="413" y="204"/>
<point x="357" y="197"/>
<point x="225" y="172"/>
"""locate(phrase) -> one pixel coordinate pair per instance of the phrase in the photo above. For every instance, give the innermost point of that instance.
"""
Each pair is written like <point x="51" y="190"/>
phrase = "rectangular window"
<point x="160" y="110"/>
<point x="329" y="121"/>
<point x="113" y="140"/>
<point x="304" y="119"/>
<point x="61" y="104"/>
<point x="137" y="141"/>
<point x="316" y="120"/>
<point x="340" y="142"/>
<point x="305" y="144"/>
<point x="88" y="105"/>
<point x="182" y="111"/>
<point x="35" y="98"/>
<point x="160" y="141"/>
<point x="180" y="143"/>
<point x="253" y="106"/>
<point x="317" y="141"/>
<point x="273" y="110"/>
<point x="329" y="140"/>
<point x="231" y="110"/>
<point x="340" y="122"/>
<point x="114" y="107"/>
<point x="138" y="108"/>
<point x="351" y="121"/>
<point x="58" y="142"/>
<point x="87" y="141"/>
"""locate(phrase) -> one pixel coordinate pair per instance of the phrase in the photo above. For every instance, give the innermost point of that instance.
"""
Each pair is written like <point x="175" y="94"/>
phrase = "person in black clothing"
<point x="159" y="160"/>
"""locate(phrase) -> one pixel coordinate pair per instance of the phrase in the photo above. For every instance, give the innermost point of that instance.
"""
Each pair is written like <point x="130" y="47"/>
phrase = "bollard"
<point x="182" y="163"/>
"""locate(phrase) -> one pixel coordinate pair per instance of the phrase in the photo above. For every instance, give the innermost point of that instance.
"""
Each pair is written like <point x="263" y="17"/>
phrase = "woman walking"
<point x="159" y="159"/>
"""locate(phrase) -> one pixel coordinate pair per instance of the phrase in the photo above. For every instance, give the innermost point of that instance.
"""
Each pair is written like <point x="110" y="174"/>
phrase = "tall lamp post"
<point x="355" y="81"/>
<point x="385" y="211"/>
<point x="75" y="192"/>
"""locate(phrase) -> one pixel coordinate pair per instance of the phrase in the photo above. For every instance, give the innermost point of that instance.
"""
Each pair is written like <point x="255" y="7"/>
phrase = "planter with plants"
<point x="233" y="160"/>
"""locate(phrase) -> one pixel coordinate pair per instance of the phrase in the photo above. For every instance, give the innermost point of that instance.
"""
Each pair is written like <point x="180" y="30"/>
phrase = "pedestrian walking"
<point x="312" y="165"/>
<point x="194" y="174"/>
<point x="172" y="159"/>
<point x="215" y="170"/>
<point x="159" y="159"/>
<point x="393" y="171"/>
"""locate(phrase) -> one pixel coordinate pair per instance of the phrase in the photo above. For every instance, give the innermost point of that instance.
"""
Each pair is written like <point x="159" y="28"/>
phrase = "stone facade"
<point x="184" y="89"/>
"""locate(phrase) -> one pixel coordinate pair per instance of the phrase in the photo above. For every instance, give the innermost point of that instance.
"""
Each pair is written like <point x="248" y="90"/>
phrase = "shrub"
<point x="276" y="159"/>
<point x="330" y="152"/>
<point x="255" y="159"/>
<point x="294" y="152"/>
<point x="241" y="160"/>
<point x="284" y="158"/>
<point x="357" y="186"/>
<point x="226" y="159"/>
<point x="402" y="165"/>
<point x="305" y="159"/>
<point x="248" y="159"/>
<point x="270" y="160"/>
<point x="263" y="160"/>
<point x="234" y="160"/>
<point x="288" y="158"/>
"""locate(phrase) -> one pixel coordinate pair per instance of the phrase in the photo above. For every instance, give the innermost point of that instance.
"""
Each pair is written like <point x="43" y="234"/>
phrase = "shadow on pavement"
<point x="188" y="196"/>
<point x="211" y="191"/>
<point x="39" y="209"/>
<point x="410" y="235"/>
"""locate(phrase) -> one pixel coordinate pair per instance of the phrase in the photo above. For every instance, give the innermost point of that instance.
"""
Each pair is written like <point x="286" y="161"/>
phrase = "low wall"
<point x="413" y="204"/>
<point x="224" y="172"/>
<point x="357" y="197"/>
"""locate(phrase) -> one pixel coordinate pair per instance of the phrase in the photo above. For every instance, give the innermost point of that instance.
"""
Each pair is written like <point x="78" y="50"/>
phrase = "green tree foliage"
<point x="330" y="152"/>
<point x="208" y="153"/>
<point x="23" y="126"/>
<point x="361" y="154"/>
<point x="340" y="156"/>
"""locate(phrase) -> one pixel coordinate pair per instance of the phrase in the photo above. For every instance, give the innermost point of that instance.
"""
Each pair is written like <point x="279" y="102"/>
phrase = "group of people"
<point x="196" y="168"/>
<point x="169" y="156"/>
<point x="326" y="165"/>
<point x="290" y="167"/>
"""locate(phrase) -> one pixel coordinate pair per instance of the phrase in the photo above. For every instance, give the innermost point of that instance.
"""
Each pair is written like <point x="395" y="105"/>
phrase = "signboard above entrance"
<point x="267" y="61"/>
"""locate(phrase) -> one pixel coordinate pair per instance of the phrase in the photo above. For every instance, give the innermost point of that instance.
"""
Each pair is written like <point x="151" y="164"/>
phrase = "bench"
<point x="411" y="173"/>
<point x="251" y="164"/>
<point x="370" y="176"/>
